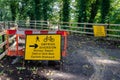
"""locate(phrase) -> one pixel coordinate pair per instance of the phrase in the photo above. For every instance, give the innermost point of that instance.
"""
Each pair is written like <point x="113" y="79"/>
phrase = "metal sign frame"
<point x="35" y="46"/>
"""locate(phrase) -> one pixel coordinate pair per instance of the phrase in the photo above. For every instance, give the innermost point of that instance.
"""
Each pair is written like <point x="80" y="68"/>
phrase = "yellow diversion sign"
<point x="99" y="31"/>
<point x="43" y="47"/>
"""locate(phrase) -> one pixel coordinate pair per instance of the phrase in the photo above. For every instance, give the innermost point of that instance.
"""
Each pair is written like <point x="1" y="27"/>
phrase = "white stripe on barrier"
<point x="20" y="32"/>
<point x="50" y="32"/>
<point x="36" y="32"/>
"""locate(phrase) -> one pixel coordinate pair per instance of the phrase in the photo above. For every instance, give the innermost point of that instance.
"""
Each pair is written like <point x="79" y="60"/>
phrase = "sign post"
<point x="99" y="31"/>
<point x="43" y="47"/>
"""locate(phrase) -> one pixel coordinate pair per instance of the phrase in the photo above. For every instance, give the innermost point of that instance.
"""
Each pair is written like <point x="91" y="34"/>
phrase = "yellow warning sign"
<point x="99" y="31"/>
<point x="43" y="47"/>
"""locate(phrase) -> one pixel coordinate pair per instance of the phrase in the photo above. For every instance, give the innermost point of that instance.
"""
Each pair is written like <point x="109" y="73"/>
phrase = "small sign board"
<point x="43" y="47"/>
<point x="99" y="31"/>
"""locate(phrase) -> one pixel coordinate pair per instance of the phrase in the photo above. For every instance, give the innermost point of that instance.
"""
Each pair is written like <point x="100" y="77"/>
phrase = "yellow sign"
<point x="43" y="47"/>
<point x="99" y="31"/>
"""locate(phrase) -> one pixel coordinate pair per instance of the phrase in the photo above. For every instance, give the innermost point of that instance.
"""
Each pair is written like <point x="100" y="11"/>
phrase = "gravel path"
<point x="93" y="59"/>
<point x="88" y="58"/>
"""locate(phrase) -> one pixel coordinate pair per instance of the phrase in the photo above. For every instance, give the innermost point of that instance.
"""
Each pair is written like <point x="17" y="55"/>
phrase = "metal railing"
<point x="112" y="30"/>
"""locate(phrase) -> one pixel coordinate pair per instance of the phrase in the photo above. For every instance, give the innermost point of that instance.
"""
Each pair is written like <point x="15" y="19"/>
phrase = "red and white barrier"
<point x="25" y="32"/>
<point x="22" y="33"/>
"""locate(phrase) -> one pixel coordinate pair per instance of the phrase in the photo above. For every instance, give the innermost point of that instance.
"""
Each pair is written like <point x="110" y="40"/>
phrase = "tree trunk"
<point x="94" y="9"/>
<point x="38" y="9"/>
<point x="66" y="12"/>
<point x="14" y="9"/>
<point x="105" y="6"/>
<point x="82" y="7"/>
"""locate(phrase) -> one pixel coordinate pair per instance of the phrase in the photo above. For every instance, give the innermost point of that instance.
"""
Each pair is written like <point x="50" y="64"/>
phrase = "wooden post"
<point x="84" y="27"/>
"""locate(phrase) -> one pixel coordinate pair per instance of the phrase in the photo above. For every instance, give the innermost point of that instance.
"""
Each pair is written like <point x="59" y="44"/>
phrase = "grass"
<point x="119" y="46"/>
<point x="112" y="58"/>
<point x="2" y="72"/>
<point x="20" y="68"/>
<point x="10" y="71"/>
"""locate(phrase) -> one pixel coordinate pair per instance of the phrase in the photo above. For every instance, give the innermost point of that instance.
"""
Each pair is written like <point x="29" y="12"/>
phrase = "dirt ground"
<point x="88" y="58"/>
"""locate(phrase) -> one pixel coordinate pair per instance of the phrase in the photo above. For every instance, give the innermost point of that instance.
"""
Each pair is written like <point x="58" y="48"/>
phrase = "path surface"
<point x="94" y="59"/>
<point x="88" y="59"/>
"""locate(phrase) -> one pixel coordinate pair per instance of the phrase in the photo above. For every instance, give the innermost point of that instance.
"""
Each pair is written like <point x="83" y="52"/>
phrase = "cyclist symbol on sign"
<point x="49" y="38"/>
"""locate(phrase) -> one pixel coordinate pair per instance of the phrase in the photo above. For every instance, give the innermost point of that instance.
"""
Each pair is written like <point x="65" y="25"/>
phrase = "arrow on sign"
<point x="35" y="46"/>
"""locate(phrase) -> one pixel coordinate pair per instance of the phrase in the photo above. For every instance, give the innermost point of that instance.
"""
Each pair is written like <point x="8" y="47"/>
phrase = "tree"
<point x="31" y="10"/>
<point x="38" y="9"/>
<point x="94" y="9"/>
<point x="47" y="9"/>
<point x="66" y="12"/>
<point x="14" y="9"/>
<point x="105" y="6"/>
<point x="82" y="7"/>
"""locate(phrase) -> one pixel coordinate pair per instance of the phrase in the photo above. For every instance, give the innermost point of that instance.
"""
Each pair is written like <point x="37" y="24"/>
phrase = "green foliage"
<point x="1" y="72"/>
<point x="114" y="15"/>
<point x="24" y="9"/>
<point x="61" y="10"/>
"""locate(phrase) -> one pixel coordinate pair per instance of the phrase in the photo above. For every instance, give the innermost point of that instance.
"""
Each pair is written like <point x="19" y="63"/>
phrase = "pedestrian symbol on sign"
<point x="37" y="39"/>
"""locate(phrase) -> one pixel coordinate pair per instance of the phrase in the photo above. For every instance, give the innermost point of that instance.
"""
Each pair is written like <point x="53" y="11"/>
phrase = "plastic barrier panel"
<point x="19" y="47"/>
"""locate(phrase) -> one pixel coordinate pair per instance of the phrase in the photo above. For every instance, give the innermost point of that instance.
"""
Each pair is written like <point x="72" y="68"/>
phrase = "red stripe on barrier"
<point x="63" y="33"/>
<point x="44" y="32"/>
<point x="11" y="31"/>
<point x="28" y="32"/>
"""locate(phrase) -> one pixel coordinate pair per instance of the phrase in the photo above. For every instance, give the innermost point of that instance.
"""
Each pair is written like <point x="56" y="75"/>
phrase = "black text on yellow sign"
<point x="99" y="31"/>
<point x="43" y="47"/>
